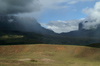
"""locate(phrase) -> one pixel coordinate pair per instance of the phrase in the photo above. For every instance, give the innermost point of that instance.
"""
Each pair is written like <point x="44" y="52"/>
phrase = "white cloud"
<point x="51" y="4"/>
<point x="72" y="2"/>
<point x="63" y="26"/>
<point x="56" y="3"/>
<point x="76" y="1"/>
<point x="93" y="16"/>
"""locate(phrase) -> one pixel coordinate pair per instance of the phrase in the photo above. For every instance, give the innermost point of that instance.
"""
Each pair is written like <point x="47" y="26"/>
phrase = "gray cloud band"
<point x="18" y="6"/>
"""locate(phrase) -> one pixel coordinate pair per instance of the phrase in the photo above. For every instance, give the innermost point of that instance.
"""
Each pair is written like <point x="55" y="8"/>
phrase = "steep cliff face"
<point x="81" y="25"/>
<point x="26" y="24"/>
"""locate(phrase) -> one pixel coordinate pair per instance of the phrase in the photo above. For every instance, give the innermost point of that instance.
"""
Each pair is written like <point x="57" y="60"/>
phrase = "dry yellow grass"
<point x="49" y="55"/>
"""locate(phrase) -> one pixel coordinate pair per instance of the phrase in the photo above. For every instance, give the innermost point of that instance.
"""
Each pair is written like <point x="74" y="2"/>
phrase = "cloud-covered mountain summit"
<point x="26" y="24"/>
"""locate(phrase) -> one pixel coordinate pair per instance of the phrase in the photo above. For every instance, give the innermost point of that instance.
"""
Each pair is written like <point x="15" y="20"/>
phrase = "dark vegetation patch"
<point x="96" y="45"/>
<point x="33" y="60"/>
<point x="17" y="37"/>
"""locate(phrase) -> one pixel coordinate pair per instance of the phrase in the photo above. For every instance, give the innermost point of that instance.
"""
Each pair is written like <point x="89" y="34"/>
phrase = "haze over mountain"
<point x="24" y="24"/>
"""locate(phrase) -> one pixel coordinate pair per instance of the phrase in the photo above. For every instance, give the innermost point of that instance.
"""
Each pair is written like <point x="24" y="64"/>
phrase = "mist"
<point x="93" y="17"/>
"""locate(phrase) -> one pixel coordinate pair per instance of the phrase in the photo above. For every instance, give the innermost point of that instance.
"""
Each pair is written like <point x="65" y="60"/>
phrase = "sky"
<point x="64" y="15"/>
<point x="57" y="15"/>
<point x="70" y="11"/>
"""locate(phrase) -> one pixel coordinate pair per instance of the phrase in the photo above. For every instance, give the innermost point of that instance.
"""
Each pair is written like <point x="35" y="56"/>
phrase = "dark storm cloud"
<point x="18" y="6"/>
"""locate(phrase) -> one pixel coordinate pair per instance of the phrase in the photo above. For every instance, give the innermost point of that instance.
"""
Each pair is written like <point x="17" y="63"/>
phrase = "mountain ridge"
<point x="33" y="33"/>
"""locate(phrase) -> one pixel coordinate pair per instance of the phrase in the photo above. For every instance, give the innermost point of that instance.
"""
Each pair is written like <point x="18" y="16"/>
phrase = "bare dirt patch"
<point x="37" y="60"/>
<point x="46" y="60"/>
<point x="25" y="59"/>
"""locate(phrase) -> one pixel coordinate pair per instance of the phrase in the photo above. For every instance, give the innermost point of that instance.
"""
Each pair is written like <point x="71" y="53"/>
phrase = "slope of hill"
<point x="49" y="55"/>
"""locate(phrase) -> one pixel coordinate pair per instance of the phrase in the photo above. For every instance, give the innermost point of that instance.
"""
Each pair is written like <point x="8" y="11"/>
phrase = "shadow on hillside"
<point x="96" y="45"/>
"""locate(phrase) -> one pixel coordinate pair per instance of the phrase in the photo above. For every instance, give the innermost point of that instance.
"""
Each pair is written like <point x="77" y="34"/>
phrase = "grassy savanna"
<point x="49" y="55"/>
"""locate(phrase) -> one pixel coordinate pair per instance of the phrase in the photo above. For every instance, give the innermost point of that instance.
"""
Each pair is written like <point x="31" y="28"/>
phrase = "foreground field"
<point x="49" y="55"/>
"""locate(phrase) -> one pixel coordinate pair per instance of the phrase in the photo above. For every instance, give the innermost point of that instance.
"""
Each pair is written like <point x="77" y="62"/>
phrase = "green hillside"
<point x="17" y="37"/>
<point x="49" y="55"/>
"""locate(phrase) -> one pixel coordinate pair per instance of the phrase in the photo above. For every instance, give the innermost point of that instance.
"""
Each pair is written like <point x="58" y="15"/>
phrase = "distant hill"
<point x="18" y="37"/>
